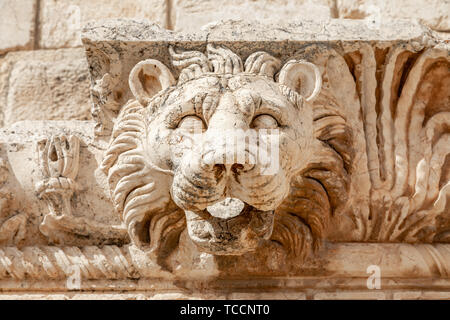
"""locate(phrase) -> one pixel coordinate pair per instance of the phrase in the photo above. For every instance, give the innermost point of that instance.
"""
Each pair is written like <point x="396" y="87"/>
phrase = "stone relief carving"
<point x="114" y="262"/>
<point x="58" y="159"/>
<point x="403" y="98"/>
<point x="410" y="180"/>
<point x="154" y="173"/>
<point x="3" y="178"/>
<point x="12" y="227"/>
<point x="12" y="230"/>
<point x="361" y="133"/>
<point x="104" y="94"/>
<point x="12" y="222"/>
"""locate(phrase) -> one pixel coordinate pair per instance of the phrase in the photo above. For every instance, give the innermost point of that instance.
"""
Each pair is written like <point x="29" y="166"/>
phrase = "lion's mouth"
<point x="229" y="227"/>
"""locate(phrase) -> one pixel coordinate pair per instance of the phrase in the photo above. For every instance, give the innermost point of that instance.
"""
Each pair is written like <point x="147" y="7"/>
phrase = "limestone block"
<point x="61" y="21"/>
<point x="44" y="85"/>
<point x="421" y="295"/>
<point x="17" y="24"/>
<point x="304" y="160"/>
<point x="351" y="295"/>
<point x="191" y="15"/>
<point x="433" y="13"/>
<point x="267" y="296"/>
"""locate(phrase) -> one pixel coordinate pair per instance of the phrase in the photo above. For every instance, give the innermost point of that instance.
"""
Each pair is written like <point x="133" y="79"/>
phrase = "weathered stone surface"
<point x="349" y="295"/>
<point x="376" y="167"/>
<point x="61" y="20"/>
<point x="51" y="85"/>
<point x="356" y="295"/>
<point x="433" y="13"/>
<point x="307" y="161"/>
<point x="144" y="40"/>
<point x="267" y="296"/>
<point x="191" y="15"/>
<point x="17" y="24"/>
<point x="421" y="295"/>
<point x="129" y="30"/>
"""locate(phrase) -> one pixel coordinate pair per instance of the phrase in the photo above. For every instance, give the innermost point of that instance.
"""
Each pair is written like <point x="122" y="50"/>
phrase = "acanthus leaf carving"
<point x="362" y="134"/>
<point x="406" y="138"/>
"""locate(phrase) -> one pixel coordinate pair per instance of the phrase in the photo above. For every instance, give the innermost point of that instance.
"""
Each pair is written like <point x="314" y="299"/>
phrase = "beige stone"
<point x="61" y="21"/>
<point x="267" y="296"/>
<point x="307" y="161"/>
<point x="44" y="85"/>
<point x="191" y="15"/>
<point x="17" y="25"/>
<point x="433" y="13"/>
<point x="218" y="181"/>
<point x="421" y="295"/>
<point x="361" y="295"/>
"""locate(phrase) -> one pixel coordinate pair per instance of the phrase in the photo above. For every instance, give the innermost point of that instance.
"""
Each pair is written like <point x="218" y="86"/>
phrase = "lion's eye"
<point x="264" y="121"/>
<point x="191" y="124"/>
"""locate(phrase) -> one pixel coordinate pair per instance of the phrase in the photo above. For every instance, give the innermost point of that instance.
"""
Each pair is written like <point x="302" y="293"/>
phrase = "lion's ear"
<point x="149" y="77"/>
<point x="303" y="77"/>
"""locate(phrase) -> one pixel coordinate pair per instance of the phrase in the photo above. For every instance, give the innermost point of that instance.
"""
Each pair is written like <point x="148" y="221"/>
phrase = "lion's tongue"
<point x="227" y="208"/>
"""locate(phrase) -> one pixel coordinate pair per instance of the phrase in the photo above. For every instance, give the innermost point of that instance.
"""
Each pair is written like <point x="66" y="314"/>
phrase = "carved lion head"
<point x="229" y="150"/>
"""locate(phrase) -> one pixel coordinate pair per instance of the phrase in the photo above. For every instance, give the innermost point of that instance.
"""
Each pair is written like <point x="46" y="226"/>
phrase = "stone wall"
<point x="41" y="39"/>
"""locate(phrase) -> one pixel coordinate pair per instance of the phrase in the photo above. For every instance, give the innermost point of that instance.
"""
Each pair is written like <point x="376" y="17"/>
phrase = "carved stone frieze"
<point x="58" y="160"/>
<point x="239" y="152"/>
<point x="12" y="223"/>
<point x="155" y="171"/>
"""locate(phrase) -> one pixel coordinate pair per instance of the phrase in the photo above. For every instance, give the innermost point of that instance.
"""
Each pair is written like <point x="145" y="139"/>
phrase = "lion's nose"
<point x="229" y="161"/>
<point x="236" y="168"/>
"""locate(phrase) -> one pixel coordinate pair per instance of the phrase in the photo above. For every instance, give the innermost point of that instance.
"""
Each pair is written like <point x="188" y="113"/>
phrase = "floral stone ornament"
<point x="238" y="159"/>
